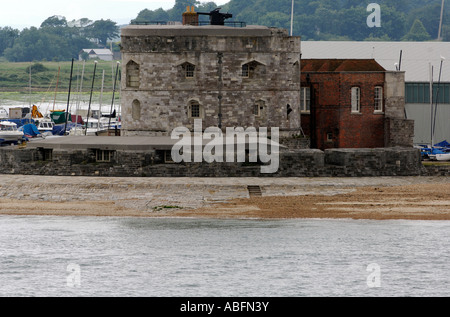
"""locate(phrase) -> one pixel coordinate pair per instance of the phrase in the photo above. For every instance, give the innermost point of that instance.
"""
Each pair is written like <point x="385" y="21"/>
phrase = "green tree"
<point x="7" y="37"/>
<point x="152" y="16"/>
<point x="103" y="30"/>
<point x="417" y="33"/>
<point x="54" y="22"/>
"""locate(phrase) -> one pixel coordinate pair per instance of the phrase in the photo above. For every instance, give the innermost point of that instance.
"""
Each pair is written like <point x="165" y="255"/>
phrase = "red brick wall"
<point x="333" y="110"/>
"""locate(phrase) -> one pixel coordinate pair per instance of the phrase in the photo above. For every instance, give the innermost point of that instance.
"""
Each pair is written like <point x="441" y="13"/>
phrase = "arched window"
<point x="188" y="70"/>
<point x="133" y="80"/>
<point x="195" y="110"/>
<point x="251" y="69"/>
<point x="136" y="110"/>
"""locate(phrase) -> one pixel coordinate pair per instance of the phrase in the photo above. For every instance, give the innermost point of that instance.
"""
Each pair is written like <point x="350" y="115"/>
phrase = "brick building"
<point x="353" y="103"/>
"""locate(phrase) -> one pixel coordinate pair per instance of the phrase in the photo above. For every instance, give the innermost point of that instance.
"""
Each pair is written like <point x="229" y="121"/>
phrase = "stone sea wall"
<point x="293" y="163"/>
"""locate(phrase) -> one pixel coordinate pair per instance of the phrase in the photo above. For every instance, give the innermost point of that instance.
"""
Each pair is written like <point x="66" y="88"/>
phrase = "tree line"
<point x="55" y="40"/>
<point x="401" y="20"/>
<point x="319" y="20"/>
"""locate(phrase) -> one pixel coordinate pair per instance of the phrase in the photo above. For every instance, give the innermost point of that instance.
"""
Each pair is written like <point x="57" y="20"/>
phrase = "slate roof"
<point x="416" y="56"/>
<point x="341" y="65"/>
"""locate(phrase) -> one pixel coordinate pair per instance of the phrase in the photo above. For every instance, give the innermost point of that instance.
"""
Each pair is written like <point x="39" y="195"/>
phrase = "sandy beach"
<point x="414" y="198"/>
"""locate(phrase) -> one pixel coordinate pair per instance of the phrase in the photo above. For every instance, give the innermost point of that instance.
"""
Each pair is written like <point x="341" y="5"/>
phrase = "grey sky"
<point x="26" y="13"/>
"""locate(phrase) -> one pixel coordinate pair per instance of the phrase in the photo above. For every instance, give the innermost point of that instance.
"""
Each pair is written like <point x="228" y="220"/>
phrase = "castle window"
<point x="256" y="111"/>
<point x="190" y="70"/>
<point x="195" y="109"/>
<point x="258" y="108"/>
<point x="378" y="99"/>
<point x="133" y="80"/>
<point x="249" y="70"/>
<point x="356" y="99"/>
<point x="187" y="70"/>
<point x="245" y="70"/>
<point x="136" y="110"/>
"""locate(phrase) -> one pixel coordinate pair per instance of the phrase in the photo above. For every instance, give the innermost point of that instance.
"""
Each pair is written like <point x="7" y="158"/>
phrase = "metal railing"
<point x="199" y="23"/>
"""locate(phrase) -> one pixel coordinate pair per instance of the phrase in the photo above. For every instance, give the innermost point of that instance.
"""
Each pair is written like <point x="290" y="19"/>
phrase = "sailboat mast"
<point x="437" y="98"/>
<point x="90" y="99"/>
<point x="68" y="97"/>
<point x="114" y="91"/>
<point x="56" y="89"/>
<point x="80" y="93"/>
<point x="101" y="96"/>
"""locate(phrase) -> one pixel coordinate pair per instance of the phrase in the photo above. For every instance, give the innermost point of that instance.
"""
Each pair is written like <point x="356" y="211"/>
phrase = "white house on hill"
<point x="100" y="53"/>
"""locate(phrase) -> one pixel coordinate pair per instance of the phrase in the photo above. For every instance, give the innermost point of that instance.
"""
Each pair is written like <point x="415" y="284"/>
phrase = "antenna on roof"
<point x="440" y="23"/>
<point x="292" y="17"/>
<point x="400" y="61"/>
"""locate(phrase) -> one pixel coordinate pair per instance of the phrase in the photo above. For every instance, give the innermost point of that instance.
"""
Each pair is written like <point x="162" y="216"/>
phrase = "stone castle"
<point x="226" y="76"/>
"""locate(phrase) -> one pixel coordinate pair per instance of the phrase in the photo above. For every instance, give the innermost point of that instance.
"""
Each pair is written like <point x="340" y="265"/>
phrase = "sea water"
<point x="88" y="256"/>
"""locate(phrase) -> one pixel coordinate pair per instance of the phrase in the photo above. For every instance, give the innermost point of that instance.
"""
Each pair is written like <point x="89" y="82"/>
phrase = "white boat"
<point x="9" y="132"/>
<point x="94" y="127"/>
<point x="45" y="125"/>
<point x="442" y="157"/>
<point x="3" y="113"/>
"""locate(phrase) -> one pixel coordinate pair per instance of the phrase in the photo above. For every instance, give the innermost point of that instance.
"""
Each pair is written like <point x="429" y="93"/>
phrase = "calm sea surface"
<point x="70" y="256"/>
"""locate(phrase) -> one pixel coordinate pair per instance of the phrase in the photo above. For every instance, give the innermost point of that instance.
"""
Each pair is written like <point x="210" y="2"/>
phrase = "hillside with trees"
<point x="55" y="40"/>
<point x="321" y="20"/>
<point x="329" y="19"/>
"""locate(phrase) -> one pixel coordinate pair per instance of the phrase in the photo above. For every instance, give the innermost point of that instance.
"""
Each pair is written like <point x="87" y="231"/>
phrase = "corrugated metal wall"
<point x="421" y="114"/>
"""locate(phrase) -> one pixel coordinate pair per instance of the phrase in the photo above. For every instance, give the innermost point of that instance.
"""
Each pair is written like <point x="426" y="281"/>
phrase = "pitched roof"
<point x="415" y="61"/>
<point x="98" y="51"/>
<point x="341" y="65"/>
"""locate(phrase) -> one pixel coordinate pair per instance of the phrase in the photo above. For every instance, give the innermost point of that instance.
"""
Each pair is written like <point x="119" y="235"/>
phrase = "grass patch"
<point x="44" y="75"/>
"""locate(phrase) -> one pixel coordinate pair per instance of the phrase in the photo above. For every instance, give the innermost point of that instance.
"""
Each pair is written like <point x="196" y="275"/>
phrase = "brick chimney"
<point x="190" y="17"/>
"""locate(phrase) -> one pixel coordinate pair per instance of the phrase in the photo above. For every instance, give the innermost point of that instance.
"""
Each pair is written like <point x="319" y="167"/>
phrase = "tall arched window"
<point x="133" y="80"/>
<point x="136" y="110"/>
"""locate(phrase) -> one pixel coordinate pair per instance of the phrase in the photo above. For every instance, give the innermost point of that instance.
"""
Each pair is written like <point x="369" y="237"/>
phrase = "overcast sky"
<point x="26" y="13"/>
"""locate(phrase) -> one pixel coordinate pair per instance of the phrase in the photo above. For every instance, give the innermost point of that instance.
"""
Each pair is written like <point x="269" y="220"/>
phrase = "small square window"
<point x="329" y="137"/>
<point x="168" y="157"/>
<point x="103" y="155"/>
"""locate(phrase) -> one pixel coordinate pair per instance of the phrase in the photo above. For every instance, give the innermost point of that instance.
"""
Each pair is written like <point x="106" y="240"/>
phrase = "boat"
<point x="94" y="127"/>
<point x="3" y="113"/>
<point x="439" y="151"/>
<point x="45" y="125"/>
<point x="9" y="132"/>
